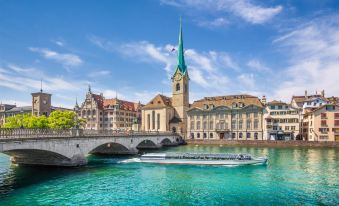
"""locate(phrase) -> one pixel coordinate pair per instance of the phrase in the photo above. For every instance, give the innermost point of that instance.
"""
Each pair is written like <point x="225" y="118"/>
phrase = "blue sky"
<point x="274" y="48"/>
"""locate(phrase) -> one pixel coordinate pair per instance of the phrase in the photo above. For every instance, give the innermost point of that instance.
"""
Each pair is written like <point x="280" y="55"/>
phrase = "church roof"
<point x="159" y="101"/>
<point x="181" y="57"/>
<point x="228" y="101"/>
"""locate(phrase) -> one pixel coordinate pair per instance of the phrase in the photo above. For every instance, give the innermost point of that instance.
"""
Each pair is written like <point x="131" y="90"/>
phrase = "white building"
<point x="281" y="121"/>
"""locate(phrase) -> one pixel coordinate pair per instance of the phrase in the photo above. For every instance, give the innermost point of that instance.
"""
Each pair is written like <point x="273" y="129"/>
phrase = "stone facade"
<point x="109" y="114"/>
<point x="41" y="103"/>
<point x="322" y="124"/>
<point x="237" y="117"/>
<point x="281" y="121"/>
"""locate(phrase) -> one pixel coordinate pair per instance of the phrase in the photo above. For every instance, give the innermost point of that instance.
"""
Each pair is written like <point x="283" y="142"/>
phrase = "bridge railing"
<point x="51" y="133"/>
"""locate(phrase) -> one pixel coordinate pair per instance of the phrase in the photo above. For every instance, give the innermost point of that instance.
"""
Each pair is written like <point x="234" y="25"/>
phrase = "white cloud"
<point x="218" y="22"/>
<point x="258" y="66"/>
<point x="245" y="9"/>
<point x="248" y="80"/>
<point x="313" y="50"/>
<point x="68" y="60"/>
<point x="100" y="73"/>
<point x="29" y="79"/>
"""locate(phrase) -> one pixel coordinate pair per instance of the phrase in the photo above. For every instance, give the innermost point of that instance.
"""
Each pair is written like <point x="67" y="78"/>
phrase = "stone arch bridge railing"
<point x="70" y="147"/>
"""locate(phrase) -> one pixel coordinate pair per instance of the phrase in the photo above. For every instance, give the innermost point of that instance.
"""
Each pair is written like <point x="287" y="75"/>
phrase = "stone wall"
<point x="263" y="143"/>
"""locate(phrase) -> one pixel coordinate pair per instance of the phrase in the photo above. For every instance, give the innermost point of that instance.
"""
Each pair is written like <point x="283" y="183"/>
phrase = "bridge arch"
<point x="110" y="148"/>
<point x="146" y="144"/>
<point x="43" y="157"/>
<point x="166" y="141"/>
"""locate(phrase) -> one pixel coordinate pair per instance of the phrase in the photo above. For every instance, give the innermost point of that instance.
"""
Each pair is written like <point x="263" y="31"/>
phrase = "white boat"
<point x="202" y="159"/>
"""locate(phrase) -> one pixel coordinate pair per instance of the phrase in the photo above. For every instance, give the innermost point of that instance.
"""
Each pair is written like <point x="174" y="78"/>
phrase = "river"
<point x="293" y="176"/>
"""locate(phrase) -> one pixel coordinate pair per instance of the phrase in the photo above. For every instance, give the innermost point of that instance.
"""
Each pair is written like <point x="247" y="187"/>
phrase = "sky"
<point x="124" y="48"/>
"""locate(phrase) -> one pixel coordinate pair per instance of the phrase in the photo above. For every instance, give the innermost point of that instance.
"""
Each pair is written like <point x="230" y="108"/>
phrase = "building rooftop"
<point x="159" y="101"/>
<point x="228" y="101"/>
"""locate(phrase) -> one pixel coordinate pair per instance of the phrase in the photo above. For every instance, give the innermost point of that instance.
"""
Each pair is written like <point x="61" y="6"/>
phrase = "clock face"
<point x="45" y="102"/>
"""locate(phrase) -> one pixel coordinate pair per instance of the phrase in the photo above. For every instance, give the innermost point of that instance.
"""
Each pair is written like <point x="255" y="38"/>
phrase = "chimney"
<point x="305" y="93"/>
<point x="323" y="93"/>
<point x="263" y="100"/>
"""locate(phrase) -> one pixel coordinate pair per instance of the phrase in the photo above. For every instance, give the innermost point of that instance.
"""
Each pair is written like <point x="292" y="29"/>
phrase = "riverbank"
<point x="263" y="143"/>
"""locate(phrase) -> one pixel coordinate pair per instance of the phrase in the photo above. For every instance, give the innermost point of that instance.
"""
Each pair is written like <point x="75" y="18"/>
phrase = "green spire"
<point x="181" y="58"/>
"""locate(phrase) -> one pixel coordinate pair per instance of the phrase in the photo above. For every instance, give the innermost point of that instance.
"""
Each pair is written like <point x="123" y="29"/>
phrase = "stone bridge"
<point x="70" y="147"/>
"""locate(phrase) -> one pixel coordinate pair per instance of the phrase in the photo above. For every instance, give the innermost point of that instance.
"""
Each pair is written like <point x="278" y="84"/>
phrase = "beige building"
<point x="169" y="114"/>
<point x="322" y="124"/>
<point x="234" y="117"/>
<point x="281" y="121"/>
<point x="108" y="114"/>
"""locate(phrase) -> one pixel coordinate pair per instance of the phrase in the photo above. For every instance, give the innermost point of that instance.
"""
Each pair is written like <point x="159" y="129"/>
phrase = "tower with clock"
<point x="41" y="103"/>
<point x="180" y="88"/>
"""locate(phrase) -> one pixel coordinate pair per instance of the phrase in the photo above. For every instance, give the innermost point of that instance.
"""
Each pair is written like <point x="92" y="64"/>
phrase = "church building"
<point x="169" y="113"/>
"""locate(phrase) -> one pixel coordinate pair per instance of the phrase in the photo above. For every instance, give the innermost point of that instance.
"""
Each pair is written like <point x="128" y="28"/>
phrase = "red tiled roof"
<point x="99" y="100"/>
<point x="124" y="105"/>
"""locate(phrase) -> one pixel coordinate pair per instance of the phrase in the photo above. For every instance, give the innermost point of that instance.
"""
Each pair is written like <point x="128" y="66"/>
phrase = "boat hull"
<point x="257" y="161"/>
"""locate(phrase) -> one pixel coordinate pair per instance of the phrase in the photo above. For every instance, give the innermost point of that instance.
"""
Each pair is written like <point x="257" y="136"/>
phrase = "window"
<point x="336" y="115"/>
<point x="211" y="125"/>
<point x="233" y="124"/>
<point x="158" y="121"/>
<point x="192" y="125"/>
<point x="248" y="115"/>
<point x="222" y="125"/>
<point x="279" y="106"/>
<point x="177" y="87"/>
<point x="256" y="123"/>
<point x="192" y="135"/>
<point x="275" y="128"/>
<point x="256" y="135"/>
<point x="233" y="135"/>
<point x="287" y="128"/>
<point x="248" y="124"/>
<point x="217" y="126"/>
<point x="198" y="135"/>
<point x="204" y="127"/>
<point x="240" y="124"/>
<point x="248" y="135"/>
<point x="198" y="125"/>
<point x="336" y="122"/>
<point x="240" y="135"/>
<point x="204" y="135"/>
<point x="323" y="123"/>
<point x="148" y="121"/>
<point x="272" y="107"/>
<point x="323" y="137"/>
<point x="292" y="128"/>
<point x="323" y="116"/>
<point x="153" y="119"/>
<point x="211" y="135"/>
<point x="255" y="114"/>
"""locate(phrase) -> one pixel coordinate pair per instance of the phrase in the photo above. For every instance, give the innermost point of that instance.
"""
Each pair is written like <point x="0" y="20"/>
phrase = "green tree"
<point x="61" y="120"/>
<point x="26" y="121"/>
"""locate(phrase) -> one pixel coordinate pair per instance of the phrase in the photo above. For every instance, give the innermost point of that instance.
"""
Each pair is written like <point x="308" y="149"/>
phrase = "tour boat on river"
<point x="202" y="159"/>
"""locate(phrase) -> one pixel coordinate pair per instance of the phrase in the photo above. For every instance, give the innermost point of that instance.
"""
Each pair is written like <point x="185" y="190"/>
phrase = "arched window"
<point x="177" y="87"/>
<point x="211" y="135"/>
<point x="198" y="135"/>
<point x="153" y="119"/>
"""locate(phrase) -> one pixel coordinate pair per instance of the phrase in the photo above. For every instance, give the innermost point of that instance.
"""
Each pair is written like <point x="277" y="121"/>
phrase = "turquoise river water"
<point x="294" y="176"/>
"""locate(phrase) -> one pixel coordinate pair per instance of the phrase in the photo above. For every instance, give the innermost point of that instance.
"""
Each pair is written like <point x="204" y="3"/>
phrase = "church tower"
<point x="180" y="85"/>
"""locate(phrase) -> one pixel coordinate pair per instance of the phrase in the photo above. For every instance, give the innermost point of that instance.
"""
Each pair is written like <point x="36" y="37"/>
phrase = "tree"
<point x="26" y="121"/>
<point x="61" y="120"/>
